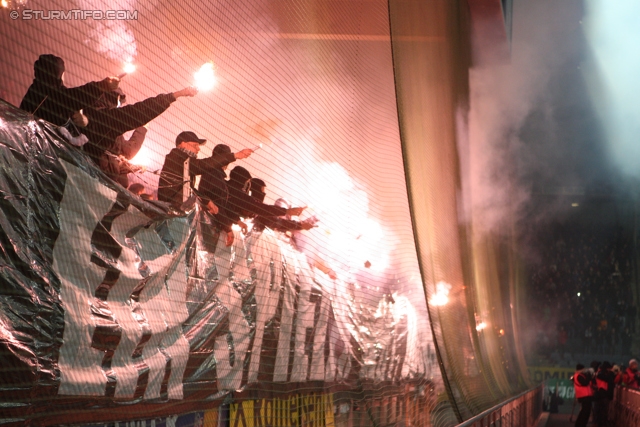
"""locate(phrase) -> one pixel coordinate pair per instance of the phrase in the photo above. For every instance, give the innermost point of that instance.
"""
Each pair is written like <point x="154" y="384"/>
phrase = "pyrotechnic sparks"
<point x="205" y="77"/>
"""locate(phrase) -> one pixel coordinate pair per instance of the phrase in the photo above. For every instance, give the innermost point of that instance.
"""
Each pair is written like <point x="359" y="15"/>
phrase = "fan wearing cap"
<point x="181" y="166"/>
<point x="49" y="99"/>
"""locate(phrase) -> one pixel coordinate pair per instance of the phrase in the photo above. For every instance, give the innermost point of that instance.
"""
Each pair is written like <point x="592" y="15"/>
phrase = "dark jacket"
<point x="172" y="175"/>
<point x="59" y="102"/>
<point x="240" y="204"/>
<point x="605" y="381"/>
<point x="213" y="187"/>
<point x="105" y="125"/>
<point x="274" y="223"/>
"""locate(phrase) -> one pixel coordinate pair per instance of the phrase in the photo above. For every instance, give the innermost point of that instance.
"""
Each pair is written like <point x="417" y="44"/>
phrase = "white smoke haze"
<point x="502" y="97"/>
<point x="534" y="141"/>
<point x="346" y="235"/>
<point x="112" y="38"/>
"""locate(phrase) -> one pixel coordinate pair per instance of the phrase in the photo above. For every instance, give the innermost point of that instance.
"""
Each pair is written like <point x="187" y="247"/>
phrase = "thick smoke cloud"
<point x="532" y="130"/>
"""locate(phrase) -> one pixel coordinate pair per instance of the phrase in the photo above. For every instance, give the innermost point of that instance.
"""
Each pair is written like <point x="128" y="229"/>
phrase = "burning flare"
<point x="205" y="77"/>
<point x="128" y="68"/>
<point x="441" y="296"/>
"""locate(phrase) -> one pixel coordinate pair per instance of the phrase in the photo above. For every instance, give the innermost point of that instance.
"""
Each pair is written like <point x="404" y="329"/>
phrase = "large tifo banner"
<point x="113" y="308"/>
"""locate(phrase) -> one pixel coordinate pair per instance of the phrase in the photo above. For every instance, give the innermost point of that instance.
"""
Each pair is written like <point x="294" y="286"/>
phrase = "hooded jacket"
<point x="47" y="98"/>
<point x="241" y="204"/>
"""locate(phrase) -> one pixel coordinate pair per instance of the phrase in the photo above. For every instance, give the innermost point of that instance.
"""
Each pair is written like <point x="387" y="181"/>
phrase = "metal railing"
<point x="625" y="408"/>
<point x="520" y="411"/>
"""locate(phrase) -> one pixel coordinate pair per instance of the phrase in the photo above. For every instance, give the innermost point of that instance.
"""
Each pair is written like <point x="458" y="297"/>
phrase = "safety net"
<point x="167" y="278"/>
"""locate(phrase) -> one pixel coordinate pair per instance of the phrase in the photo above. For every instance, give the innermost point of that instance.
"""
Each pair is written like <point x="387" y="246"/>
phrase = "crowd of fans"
<point x="581" y="288"/>
<point x="94" y="118"/>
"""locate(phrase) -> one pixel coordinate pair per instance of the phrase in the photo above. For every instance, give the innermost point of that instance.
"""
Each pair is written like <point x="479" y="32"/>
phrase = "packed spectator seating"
<point x="580" y="285"/>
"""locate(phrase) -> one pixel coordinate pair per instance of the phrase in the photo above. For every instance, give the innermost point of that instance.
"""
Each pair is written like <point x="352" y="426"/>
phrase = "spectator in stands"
<point x="106" y="124"/>
<point x="584" y="393"/>
<point x="213" y="184"/>
<point x="562" y="338"/>
<point x="47" y="98"/>
<point x="631" y="377"/>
